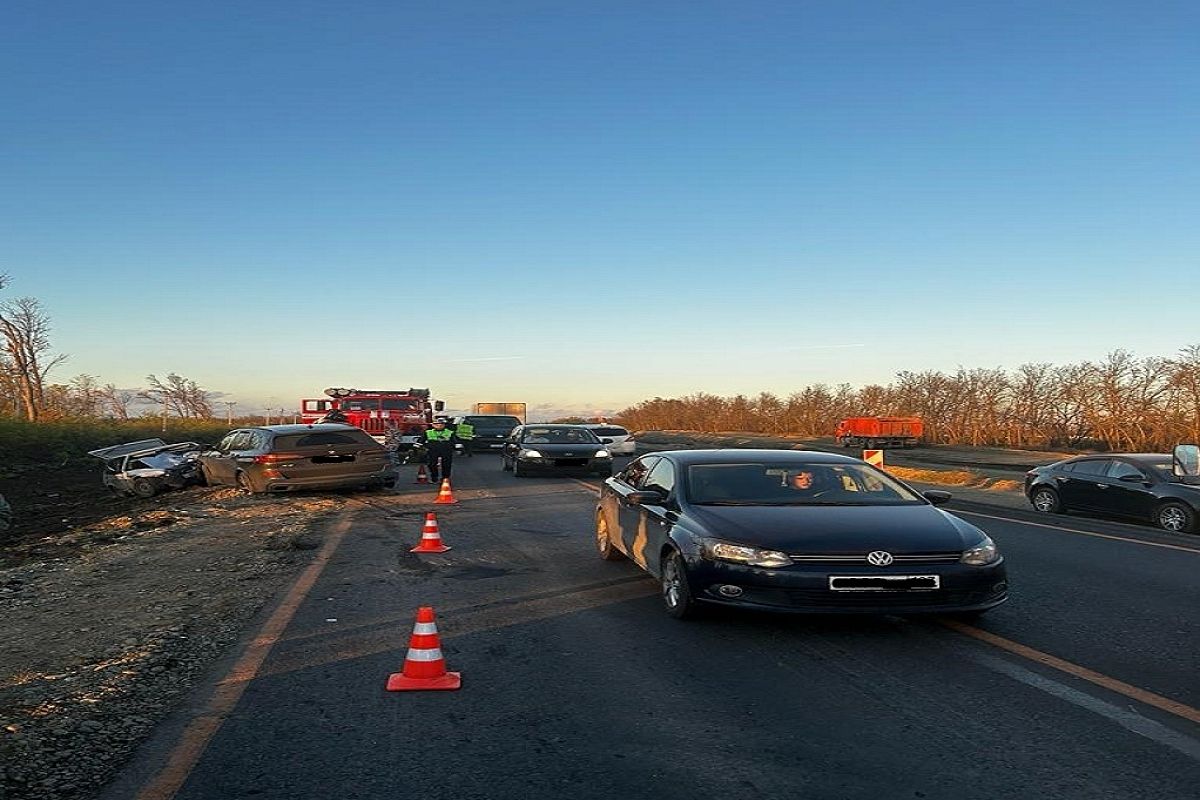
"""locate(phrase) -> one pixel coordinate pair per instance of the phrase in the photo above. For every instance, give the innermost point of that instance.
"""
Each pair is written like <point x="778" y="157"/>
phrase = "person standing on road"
<point x="439" y="444"/>
<point x="465" y="432"/>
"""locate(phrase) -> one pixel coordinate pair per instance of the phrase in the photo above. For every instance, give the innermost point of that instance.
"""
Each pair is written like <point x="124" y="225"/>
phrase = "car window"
<point x="492" y="422"/>
<point x="322" y="438"/>
<point x="612" y="430"/>
<point x="240" y="440"/>
<point x="1120" y="469"/>
<point x="226" y="444"/>
<point x="635" y="473"/>
<point x="560" y="435"/>
<point x="1097" y="466"/>
<point x="661" y="477"/>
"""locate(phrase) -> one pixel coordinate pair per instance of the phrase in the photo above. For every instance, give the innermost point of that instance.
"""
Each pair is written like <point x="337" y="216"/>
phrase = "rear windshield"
<point x="493" y="422"/>
<point x="611" y="431"/>
<point x="296" y="441"/>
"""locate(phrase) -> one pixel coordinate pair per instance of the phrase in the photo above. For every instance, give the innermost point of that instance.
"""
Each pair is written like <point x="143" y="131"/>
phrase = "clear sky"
<point x="581" y="205"/>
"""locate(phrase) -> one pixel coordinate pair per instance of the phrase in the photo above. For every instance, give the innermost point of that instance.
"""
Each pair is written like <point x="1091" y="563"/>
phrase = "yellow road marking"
<point x="1112" y="684"/>
<point x="1082" y="533"/>
<point x="195" y="738"/>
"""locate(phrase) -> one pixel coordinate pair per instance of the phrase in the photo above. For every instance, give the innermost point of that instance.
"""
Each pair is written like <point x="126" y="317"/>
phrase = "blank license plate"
<point x="884" y="583"/>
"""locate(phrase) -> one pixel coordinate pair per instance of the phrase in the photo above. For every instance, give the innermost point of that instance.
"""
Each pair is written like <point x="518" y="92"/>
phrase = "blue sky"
<point x="581" y="205"/>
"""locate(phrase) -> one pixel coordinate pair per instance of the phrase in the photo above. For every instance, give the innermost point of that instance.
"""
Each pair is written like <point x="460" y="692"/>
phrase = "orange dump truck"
<point x="878" y="432"/>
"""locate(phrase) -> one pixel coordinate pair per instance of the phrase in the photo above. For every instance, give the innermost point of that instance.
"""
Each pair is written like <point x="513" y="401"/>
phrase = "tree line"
<point x="27" y="358"/>
<point x="1120" y="402"/>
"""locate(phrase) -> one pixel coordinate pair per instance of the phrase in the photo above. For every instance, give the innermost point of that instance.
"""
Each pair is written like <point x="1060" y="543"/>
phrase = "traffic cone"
<point x="424" y="666"/>
<point x="445" y="496"/>
<point x="431" y="539"/>
<point x="422" y="475"/>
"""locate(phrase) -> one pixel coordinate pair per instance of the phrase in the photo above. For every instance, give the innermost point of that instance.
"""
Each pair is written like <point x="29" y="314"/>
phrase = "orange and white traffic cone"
<point x="445" y="496"/>
<point x="431" y="539"/>
<point x="424" y="666"/>
<point x="422" y="475"/>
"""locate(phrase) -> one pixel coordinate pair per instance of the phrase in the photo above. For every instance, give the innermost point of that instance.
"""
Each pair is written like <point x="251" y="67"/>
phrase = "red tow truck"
<point x="394" y="417"/>
<point x="876" y="432"/>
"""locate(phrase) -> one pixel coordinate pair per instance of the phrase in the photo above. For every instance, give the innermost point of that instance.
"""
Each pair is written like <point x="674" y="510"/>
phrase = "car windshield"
<point x="493" y="422"/>
<point x="795" y="484"/>
<point x="1165" y="468"/>
<point x="559" y="435"/>
<point x="610" y="431"/>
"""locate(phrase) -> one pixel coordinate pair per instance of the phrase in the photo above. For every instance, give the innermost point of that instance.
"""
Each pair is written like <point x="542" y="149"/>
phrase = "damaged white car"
<point x="149" y="466"/>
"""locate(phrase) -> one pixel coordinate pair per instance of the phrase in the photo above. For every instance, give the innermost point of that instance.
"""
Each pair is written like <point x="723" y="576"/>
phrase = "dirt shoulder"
<point x="110" y="620"/>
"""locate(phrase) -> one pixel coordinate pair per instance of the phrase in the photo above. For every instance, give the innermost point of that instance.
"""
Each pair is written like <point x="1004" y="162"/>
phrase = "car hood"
<point x="836" y="529"/>
<point x="117" y="450"/>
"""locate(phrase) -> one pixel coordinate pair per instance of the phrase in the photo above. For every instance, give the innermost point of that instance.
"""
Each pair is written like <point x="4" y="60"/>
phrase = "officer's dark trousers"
<point x="441" y="461"/>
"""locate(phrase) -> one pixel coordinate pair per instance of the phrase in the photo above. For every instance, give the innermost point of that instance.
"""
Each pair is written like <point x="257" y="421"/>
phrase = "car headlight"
<point x="530" y="454"/>
<point x="726" y="551"/>
<point x="981" y="554"/>
<point x="602" y="454"/>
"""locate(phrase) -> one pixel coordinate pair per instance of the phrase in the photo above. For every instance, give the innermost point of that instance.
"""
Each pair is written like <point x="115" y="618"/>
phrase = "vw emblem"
<point x="879" y="558"/>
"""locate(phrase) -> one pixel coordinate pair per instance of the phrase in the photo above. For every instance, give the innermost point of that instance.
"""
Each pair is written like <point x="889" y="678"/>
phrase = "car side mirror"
<point x="937" y="497"/>
<point x="645" y="497"/>
<point x="606" y="441"/>
<point x="1132" y="479"/>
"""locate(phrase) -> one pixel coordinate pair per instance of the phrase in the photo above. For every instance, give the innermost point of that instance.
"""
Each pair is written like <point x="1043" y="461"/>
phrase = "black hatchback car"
<point x="789" y="530"/>
<point x="1138" y="485"/>
<point x="556" y="449"/>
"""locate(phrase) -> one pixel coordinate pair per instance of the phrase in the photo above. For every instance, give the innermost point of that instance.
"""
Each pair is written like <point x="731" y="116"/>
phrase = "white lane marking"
<point x="1076" y="530"/>
<point x="1126" y="718"/>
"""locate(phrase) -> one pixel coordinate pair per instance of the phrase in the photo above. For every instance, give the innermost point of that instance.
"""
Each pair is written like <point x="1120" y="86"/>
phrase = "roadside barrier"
<point x="445" y="496"/>
<point x="873" y="457"/>
<point x="431" y="538"/>
<point x="424" y="666"/>
<point x="422" y="475"/>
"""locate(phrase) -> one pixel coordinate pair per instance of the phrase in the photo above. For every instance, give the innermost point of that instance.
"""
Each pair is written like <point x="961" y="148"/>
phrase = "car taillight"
<point x="276" y="458"/>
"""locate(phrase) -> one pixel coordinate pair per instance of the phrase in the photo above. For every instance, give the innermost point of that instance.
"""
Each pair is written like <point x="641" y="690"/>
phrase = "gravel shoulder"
<point x="109" y="624"/>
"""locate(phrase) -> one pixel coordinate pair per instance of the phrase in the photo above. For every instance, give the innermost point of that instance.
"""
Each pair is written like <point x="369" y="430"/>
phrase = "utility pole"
<point x="229" y="404"/>
<point x="164" y="413"/>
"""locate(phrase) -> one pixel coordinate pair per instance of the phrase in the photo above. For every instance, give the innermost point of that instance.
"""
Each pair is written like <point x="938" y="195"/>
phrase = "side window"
<point x="226" y="444"/>
<point x="636" y="471"/>
<point x="1098" y="466"/>
<point x="1120" y="469"/>
<point x="661" y="477"/>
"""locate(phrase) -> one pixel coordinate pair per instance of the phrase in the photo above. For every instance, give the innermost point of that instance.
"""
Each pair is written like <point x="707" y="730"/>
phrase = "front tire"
<point x="1175" y="517"/>
<point x="1046" y="500"/>
<point x="604" y="543"/>
<point x="676" y="591"/>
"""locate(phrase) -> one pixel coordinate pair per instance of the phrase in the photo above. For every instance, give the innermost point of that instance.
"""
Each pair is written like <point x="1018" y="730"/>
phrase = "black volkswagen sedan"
<point x="555" y="449"/>
<point x="794" y="531"/>
<point x="1138" y="485"/>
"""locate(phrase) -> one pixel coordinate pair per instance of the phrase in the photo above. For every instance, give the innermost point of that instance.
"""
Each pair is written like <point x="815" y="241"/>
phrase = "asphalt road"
<point x="577" y="685"/>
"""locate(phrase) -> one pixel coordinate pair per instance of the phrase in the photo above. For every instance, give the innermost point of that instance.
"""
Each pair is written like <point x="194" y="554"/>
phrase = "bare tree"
<point x="179" y="396"/>
<point x="116" y="401"/>
<point x="25" y="329"/>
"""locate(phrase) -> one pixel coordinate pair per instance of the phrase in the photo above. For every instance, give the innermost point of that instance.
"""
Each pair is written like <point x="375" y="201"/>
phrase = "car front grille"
<point x="861" y="558"/>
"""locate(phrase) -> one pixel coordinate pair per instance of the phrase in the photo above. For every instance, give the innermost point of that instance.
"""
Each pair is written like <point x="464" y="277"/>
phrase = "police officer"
<point x="465" y="432"/>
<point x="439" y="444"/>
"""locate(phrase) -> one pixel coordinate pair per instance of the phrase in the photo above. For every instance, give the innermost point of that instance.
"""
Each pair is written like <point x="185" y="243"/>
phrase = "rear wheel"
<point x="604" y="542"/>
<point x="144" y="488"/>
<point x="1175" y="517"/>
<point x="676" y="592"/>
<point x="1045" y="500"/>
<point x="243" y="482"/>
